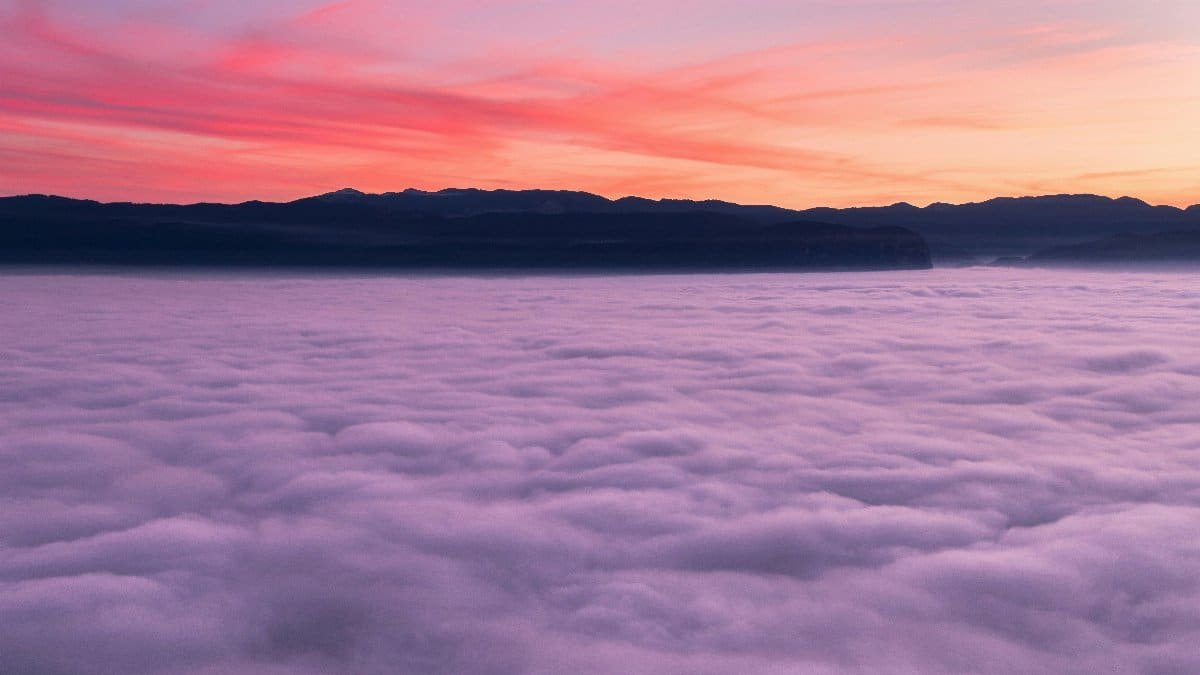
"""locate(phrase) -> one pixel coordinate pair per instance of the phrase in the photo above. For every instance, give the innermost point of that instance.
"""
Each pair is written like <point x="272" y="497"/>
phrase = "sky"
<point x="793" y="102"/>
<point x="985" y="471"/>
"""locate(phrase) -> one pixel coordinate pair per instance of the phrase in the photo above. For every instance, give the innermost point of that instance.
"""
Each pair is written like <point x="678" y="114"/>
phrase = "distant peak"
<point x="344" y="195"/>
<point x="1132" y="201"/>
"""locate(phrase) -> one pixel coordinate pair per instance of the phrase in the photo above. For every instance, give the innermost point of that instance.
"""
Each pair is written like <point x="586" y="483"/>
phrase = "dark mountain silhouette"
<point x="452" y="229"/>
<point x="1019" y="226"/>
<point x="564" y="228"/>
<point x="1005" y="226"/>
<point x="456" y="202"/>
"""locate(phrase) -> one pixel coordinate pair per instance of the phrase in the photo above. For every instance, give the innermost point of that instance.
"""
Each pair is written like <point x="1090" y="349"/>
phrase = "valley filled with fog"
<point x="975" y="470"/>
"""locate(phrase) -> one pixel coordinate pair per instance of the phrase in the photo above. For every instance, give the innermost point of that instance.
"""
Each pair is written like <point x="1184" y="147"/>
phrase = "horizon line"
<point x="1183" y="207"/>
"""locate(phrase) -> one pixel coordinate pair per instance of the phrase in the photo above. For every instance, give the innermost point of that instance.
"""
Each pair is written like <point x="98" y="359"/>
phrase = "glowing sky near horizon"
<point x="797" y="102"/>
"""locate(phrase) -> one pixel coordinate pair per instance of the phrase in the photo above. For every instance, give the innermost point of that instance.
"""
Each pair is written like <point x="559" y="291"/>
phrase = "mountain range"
<point x="477" y="228"/>
<point x="974" y="232"/>
<point x="343" y="230"/>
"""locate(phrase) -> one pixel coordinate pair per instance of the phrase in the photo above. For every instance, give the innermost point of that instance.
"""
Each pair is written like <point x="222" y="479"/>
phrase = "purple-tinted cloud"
<point x="986" y="471"/>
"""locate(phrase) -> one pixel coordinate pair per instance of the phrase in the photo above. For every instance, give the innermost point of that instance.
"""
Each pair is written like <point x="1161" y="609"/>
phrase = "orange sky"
<point x="798" y="103"/>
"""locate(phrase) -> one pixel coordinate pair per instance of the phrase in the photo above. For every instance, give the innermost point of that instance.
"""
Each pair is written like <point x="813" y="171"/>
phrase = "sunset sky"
<point x="793" y="102"/>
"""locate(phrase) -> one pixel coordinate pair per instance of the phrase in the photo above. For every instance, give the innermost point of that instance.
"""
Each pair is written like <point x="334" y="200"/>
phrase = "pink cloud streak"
<point x="838" y="119"/>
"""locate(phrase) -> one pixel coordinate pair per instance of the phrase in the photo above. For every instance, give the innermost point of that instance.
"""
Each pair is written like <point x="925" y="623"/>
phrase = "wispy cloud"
<point x="352" y="87"/>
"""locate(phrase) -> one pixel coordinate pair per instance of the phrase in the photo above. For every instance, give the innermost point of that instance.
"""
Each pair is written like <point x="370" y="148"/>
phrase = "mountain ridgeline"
<point x="477" y="230"/>
<point x="471" y="228"/>
<point x="956" y="234"/>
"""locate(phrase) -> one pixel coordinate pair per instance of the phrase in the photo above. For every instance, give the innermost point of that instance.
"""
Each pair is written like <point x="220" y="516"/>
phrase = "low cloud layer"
<point x="987" y="471"/>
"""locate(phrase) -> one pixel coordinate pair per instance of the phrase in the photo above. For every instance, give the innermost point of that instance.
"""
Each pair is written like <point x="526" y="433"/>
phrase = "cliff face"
<point x="347" y="231"/>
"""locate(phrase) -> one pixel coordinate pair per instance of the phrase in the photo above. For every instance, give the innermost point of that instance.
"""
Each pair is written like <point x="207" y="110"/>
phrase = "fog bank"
<point x="987" y="471"/>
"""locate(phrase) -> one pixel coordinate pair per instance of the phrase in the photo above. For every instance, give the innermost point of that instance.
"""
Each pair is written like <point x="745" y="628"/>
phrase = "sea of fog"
<point x="953" y="471"/>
